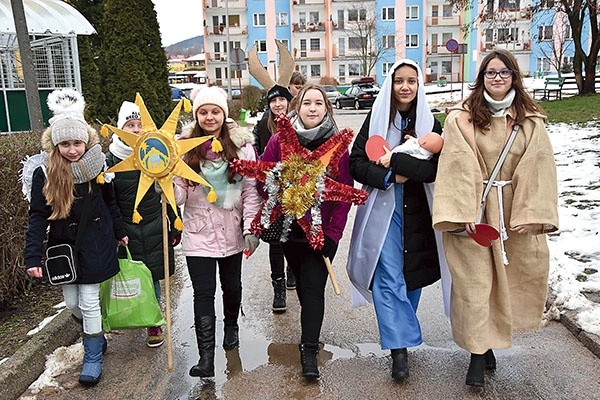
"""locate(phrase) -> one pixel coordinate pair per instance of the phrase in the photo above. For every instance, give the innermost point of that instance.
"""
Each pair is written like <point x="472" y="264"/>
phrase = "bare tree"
<point x="367" y="40"/>
<point x="578" y="12"/>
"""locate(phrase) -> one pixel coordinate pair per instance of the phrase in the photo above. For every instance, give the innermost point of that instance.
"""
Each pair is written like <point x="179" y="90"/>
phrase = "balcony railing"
<point x="221" y="30"/>
<point x="308" y="27"/>
<point x="221" y="4"/>
<point x="444" y="21"/>
<point x="516" y="46"/>
<point x="308" y="2"/>
<point x="220" y="56"/>
<point x="308" y="54"/>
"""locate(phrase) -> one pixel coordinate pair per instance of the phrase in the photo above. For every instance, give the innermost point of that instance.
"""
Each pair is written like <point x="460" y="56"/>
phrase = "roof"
<point x="46" y="17"/>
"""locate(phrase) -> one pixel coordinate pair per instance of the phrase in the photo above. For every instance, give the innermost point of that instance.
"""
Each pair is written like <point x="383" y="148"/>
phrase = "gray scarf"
<point x="499" y="107"/>
<point x="89" y="165"/>
<point x="324" y="130"/>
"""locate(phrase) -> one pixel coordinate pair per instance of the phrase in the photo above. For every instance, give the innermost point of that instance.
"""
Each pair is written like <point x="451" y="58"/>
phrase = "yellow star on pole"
<point x="157" y="155"/>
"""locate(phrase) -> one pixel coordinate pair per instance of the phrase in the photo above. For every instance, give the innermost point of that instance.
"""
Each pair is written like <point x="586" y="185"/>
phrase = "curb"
<point x="28" y="362"/>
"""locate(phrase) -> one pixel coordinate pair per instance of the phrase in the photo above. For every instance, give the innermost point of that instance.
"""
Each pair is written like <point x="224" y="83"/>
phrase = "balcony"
<point x="308" y="2"/>
<point x="308" y="27"/>
<point x="222" y="56"/>
<point x="308" y="54"/>
<point x="454" y="20"/>
<point x="220" y="30"/>
<point x="233" y="4"/>
<point x="511" y="46"/>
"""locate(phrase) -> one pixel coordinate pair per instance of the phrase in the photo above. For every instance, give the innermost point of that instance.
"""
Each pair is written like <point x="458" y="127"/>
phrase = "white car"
<point x="332" y="93"/>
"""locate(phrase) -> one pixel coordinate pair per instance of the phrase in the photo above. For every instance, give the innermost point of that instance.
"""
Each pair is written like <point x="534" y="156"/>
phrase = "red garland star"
<point x="329" y="154"/>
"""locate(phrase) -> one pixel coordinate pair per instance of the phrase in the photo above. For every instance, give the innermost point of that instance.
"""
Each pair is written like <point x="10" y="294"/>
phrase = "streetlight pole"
<point x="228" y="50"/>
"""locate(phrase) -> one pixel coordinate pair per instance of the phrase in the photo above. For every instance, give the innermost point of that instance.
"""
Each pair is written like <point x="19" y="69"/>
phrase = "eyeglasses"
<point x="504" y="74"/>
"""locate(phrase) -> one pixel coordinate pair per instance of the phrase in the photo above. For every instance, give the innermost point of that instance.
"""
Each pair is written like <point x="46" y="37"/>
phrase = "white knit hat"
<point x="211" y="95"/>
<point x="68" y="122"/>
<point x="127" y="111"/>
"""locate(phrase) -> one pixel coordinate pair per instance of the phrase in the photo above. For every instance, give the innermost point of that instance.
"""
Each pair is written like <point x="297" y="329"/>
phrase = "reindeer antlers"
<point x="286" y="67"/>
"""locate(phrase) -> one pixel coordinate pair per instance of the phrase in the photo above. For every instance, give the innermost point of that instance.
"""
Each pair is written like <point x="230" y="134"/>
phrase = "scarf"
<point x="119" y="149"/>
<point x="215" y="172"/>
<point x="499" y="107"/>
<point x="89" y="165"/>
<point x="321" y="132"/>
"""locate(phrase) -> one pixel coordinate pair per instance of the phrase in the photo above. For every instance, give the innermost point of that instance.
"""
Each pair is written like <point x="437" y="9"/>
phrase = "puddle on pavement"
<point x="254" y="350"/>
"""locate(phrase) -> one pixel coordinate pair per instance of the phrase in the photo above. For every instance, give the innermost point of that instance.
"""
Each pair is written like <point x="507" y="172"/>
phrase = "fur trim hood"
<point x="47" y="139"/>
<point x="240" y="135"/>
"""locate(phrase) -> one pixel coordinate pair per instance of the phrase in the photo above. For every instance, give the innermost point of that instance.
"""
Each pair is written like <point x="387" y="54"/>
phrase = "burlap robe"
<point x="489" y="299"/>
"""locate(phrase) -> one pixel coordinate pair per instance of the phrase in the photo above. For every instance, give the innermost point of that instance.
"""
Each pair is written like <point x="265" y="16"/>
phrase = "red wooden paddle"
<point x="375" y="147"/>
<point x="484" y="234"/>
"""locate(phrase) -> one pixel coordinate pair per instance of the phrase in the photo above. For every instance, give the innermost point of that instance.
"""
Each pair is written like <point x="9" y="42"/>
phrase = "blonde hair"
<point x="59" y="187"/>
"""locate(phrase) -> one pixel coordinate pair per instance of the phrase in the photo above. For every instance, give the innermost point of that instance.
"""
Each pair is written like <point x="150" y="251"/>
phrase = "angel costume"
<point x="495" y="293"/>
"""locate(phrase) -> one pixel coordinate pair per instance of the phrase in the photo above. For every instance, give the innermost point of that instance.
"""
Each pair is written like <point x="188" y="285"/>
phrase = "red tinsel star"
<point x="302" y="182"/>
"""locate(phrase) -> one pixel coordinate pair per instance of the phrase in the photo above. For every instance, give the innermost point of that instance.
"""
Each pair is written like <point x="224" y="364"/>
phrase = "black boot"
<point x="279" y="296"/>
<point x="490" y="360"/>
<point x="231" y="338"/>
<point x="205" y="336"/>
<point x="475" y="372"/>
<point x="308" y="358"/>
<point x="290" y="283"/>
<point x="399" y="364"/>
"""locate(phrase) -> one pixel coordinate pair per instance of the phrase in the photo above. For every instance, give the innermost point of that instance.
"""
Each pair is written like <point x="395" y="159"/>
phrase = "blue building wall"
<point x="385" y="26"/>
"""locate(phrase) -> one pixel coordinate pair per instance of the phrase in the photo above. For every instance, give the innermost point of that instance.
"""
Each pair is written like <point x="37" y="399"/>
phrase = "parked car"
<point x="361" y="94"/>
<point x="332" y="93"/>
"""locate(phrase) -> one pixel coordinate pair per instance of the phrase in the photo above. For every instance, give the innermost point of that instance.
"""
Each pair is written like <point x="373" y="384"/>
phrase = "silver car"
<point x="332" y="93"/>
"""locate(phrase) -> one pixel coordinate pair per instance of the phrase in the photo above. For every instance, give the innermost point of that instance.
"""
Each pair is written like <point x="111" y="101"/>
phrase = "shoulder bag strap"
<point x="496" y="169"/>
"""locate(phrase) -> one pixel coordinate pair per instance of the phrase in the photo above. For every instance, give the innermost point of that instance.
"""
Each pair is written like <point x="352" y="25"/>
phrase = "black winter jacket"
<point x="145" y="238"/>
<point x="421" y="264"/>
<point x="98" y="251"/>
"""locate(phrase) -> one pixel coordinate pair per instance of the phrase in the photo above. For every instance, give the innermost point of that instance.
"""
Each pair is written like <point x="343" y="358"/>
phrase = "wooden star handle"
<point x="336" y="288"/>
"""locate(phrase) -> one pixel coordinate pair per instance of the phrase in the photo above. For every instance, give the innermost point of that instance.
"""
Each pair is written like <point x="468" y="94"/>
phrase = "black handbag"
<point x="62" y="265"/>
<point x="272" y="234"/>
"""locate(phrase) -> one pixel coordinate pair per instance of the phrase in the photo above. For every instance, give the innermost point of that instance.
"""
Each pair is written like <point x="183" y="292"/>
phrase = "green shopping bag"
<point x="128" y="300"/>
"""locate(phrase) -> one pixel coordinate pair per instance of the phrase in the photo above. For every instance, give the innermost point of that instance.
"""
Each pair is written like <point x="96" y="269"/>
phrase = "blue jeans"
<point x="83" y="300"/>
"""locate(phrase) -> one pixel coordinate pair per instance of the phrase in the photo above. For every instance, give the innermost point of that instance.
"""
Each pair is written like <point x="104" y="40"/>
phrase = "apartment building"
<point x="328" y="38"/>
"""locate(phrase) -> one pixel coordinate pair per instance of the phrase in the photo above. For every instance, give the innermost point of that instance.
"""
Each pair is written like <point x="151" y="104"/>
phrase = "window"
<point x="447" y="11"/>
<point x="303" y="49"/>
<point x="315" y="44"/>
<point x="218" y="76"/>
<point x="388" y="13"/>
<point x="355" y="15"/>
<point x="445" y="38"/>
<point x="356" y="42"/>
<point x="315" y="70"/>
<point x="259" y="19"/>
<point x="412" y="40"/>
<point x="342" y="70"/>
<point x="303" y="70"/>
<point x="285" y="42"/>
<point x="354" y="70"/>
<point x="412" y="12"/>
<point x="313" y="16"/>
<point x="543" y="64"/>
<point x="547" y="3"/>
<point x="446" y="67"/>
<point x="261" y="45"/>
<point x="508" y="4"/>
<point x="387" y="67"/>
<point x="234" y="20"/>
<point x="545" y="32"/>
<point x="389" y="41"/>
<point x="281" y="19"/>
<point x="342" y="47"/>
<point x="508" y="35"/>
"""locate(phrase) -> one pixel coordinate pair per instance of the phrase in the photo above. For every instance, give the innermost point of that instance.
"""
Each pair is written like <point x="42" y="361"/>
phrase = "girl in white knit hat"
<point x="145" y="237"/>
<point x="216" y="232"/>
<point x="63" y="192"/>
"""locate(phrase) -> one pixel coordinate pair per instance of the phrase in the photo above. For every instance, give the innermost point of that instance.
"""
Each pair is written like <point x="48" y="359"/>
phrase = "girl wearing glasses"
<point x="499" y="289"/>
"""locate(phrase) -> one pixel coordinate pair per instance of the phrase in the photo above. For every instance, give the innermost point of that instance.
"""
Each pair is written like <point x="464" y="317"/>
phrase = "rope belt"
<point x="502" y="226"/>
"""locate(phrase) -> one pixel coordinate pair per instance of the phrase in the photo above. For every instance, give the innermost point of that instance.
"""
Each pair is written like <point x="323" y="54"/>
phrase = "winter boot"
<point x="290" y="282"/>
<point x="80" y="322"/>
<point x="308" y="358"/>
<point x="92" y="359"/>
<point x="399" y="364"/>
<point x="231" y="338"/>
<point x="279" y="297"/>
<point x="490" y="360"/>
<point x="475" y="372"/>
<point x="205" y="336"/>
<point x="231" y="311"/>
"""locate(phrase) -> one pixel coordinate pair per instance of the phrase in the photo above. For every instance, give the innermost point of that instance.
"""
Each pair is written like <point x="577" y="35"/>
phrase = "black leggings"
<point x="311" y="276"/>
<point x="277" y="261"/>
<point x="203" y="274"/>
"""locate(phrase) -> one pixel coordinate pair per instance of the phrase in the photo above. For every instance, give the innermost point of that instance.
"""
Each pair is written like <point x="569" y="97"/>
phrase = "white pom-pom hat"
<point x="127" y="112"/>
<point x="68" y="122"/>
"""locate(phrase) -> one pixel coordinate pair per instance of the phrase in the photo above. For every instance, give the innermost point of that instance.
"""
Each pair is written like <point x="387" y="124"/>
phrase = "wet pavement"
<point x="547" y="364"/>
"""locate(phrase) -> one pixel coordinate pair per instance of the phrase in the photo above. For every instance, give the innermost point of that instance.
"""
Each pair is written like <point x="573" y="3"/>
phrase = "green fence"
<point x="13" y="109"/>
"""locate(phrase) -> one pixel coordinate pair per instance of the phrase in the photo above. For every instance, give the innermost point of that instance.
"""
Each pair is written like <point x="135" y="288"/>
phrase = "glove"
<point x="329" y="248"/>
<point x="175" y="238"/>
<point x="251" y="244"/>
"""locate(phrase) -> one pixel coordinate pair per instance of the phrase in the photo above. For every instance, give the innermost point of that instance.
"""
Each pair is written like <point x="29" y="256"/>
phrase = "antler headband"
<point x="286" y="67"/>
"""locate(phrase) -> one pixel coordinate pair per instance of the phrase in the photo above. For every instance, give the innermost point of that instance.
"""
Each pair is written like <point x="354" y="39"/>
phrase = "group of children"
<point x="387" y="267"/>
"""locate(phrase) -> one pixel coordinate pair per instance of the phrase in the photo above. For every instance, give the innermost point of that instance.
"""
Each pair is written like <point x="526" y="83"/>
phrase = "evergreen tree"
<point x="89" y="52"/>
<point x="132" y="59"/>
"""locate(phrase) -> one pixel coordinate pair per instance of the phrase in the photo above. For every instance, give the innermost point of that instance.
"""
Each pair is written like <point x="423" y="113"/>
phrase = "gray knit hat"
<point x="68" y="122"/>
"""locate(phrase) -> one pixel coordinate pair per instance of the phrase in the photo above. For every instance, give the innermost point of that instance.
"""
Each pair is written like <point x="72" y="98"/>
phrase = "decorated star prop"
<point x="157" y="155"/>
<point x="297" y="185"/>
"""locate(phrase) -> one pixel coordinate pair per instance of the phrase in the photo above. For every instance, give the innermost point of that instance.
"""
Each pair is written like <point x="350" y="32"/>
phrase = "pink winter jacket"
<point x="210" y="231"/>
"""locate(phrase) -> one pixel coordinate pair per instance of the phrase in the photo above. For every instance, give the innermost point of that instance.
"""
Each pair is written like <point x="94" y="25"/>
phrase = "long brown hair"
<point x="271" y="123"/>
<point x="194" y="157"/>
<point x="522" y="104"/>
<point x="59" y="188"/>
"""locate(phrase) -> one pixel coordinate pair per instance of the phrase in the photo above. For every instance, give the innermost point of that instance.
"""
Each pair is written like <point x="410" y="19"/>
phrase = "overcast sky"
<point x="179" y="19"/>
